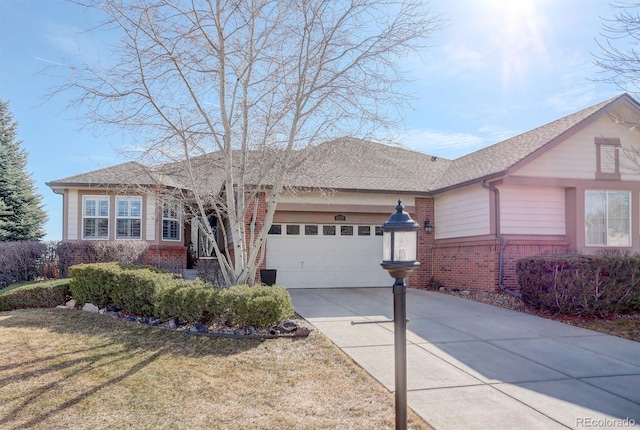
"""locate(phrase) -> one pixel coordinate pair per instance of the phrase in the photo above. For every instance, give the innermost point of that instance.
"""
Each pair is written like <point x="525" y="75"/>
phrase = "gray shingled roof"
<point x="498" y="158"/>
<point x="354" y="164"/>
<point x="118" y="175"/>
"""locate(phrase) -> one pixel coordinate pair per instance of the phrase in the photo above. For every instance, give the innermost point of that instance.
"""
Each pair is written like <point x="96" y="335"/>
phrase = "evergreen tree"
<point x="22" y="216"/>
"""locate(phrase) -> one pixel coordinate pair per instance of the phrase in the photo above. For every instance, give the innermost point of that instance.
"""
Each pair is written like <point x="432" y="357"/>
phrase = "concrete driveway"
<point x="475" y="366"/>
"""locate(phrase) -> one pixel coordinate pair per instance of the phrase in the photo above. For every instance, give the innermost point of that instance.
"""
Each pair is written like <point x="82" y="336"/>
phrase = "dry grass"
<point x="69" y="369"/>
<point x="626" y="326"/>
<point x="622" y="326"/>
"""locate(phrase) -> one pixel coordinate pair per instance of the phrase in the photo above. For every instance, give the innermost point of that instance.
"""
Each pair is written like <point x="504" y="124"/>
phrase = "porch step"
<point x="190" y="274"/>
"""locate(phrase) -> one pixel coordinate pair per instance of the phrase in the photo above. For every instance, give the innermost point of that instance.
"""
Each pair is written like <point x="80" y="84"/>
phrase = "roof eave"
<point x="489" y="177"/>
<point x="61" y="185"/>
<point x="362" y="190"/>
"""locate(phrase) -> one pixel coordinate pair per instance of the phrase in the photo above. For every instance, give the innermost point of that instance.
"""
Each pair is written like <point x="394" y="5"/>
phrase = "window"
<point x="378" y="230"/>
<point x="608" y="158"/>
<point x="95" y="217"/>
<point x="346" y="230"/>
<point x="275" y="229"/>
<point x="364" y="230"/>
<point x="128" y="217"/>
<point x="293" y="229"/>
<point x="310" y="230"/>
<point x="171" y="220"/>
<point x="328" y="230"/>
<point x="607" y="218"/>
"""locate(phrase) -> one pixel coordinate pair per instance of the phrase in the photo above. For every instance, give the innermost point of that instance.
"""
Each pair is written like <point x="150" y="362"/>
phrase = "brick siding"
<point x="474" y="264"/>
<point x="260" y="211"/>
<point x="172" y="258"/>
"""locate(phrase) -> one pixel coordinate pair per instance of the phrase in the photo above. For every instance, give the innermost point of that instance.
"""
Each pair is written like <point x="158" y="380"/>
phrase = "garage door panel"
<point x="327" y="261"/>
<point x="333" y="280"/>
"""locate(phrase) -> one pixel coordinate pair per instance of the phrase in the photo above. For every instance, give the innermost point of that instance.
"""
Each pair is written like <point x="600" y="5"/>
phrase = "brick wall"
<point x="467" y="265"/>
<point x="517" y="249"/>
<point x="475" y="265"/>
<point x="256" y="207"/>
<point x="421" y="276"/>
<point x="471" y="265"/>
<point x="172" y="258"/>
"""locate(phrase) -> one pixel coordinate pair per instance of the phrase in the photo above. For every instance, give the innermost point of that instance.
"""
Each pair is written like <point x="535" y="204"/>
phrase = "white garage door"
<point x="326" y="256"/>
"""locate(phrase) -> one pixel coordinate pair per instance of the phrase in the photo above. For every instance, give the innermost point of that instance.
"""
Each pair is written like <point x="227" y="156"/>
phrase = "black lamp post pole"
<point x="400" y="236"/>
<point x="400" y="347"/>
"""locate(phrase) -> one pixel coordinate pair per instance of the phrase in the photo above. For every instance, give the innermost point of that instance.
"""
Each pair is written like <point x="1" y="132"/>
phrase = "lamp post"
<point x="399" y="253"/>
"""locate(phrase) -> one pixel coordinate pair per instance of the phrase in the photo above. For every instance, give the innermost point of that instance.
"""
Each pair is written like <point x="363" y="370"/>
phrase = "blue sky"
<point x="499" y="68"/>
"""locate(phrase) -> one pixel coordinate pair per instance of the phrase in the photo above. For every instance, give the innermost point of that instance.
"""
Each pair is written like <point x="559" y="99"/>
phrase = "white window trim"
<point x="85" y="217"/>
<point x="607" y="245"/>
<point x="139" y="218"/>
<point x="178" y="219"/>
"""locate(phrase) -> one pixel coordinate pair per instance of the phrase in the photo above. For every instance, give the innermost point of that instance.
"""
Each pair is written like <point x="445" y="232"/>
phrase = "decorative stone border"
<point x="291" y="329"/>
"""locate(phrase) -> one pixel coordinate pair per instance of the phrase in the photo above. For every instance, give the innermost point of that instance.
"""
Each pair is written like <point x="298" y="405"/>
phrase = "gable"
<point x="576" y="157"/>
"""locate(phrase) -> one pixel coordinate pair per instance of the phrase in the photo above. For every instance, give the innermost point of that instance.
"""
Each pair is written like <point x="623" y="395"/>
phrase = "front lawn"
<point x="71" y="369"/>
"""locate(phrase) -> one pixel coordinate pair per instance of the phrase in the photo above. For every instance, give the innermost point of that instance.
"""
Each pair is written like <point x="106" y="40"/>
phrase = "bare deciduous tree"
<point x="619" y="57"/>
<point x="230" y="90"/>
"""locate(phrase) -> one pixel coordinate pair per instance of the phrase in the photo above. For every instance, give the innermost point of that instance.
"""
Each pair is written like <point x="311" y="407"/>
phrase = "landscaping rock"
<point x="71" y="304"/>
<point x="198" y="328"/>
<point x="217" y="329"/>
<point x="287" y="327"/>
<point x="465" y="293"/>
<point x="172" y="324"/>
<point x="441" y="289"/>
<point x="90" y="307"/>
<point x="112" y="314"/>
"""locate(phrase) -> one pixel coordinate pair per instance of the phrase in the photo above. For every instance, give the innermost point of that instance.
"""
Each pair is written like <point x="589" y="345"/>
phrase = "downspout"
<point x="502" y="239"/>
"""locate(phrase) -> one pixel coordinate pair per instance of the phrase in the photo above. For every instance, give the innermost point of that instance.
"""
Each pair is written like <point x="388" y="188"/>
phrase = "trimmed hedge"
<point x="581" y="284"/>
<point x="147" y="291"/>
<point x="187" y="301"/>
<point x="258" y="306"/>
<point x="35" y="295"/>
<point x="94" y="283"/>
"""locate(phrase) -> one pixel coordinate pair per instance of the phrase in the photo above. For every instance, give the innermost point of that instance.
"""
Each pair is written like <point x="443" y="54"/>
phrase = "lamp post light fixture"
<point x="399" y="254"/>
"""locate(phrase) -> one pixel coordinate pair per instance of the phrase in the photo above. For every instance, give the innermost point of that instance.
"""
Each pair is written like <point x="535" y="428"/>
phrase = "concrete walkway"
<point x="475" y="366"/>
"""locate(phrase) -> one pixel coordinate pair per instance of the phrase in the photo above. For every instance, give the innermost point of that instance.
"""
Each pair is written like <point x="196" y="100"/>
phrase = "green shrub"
<point x="134" y="291"/>
<point x="188" y="301"/>
<point x="94" y="283"/>
<point x="258" y="306"/>
<point x="581" y="284"/>
<point x="146" y="291"/>
<point x="131" y="287"/>
<point x="36" y="295"/>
